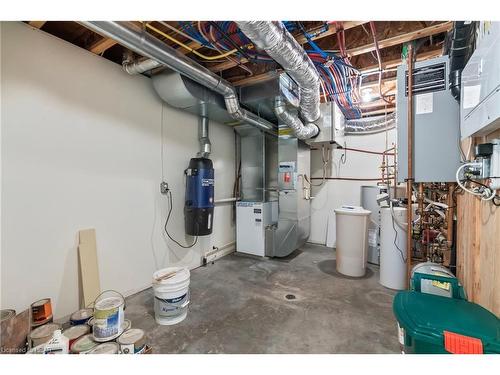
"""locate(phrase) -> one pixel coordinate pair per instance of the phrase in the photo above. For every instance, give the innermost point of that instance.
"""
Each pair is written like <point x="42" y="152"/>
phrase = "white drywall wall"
<point x="81" y="148"/>
<point x="334" y="193"/>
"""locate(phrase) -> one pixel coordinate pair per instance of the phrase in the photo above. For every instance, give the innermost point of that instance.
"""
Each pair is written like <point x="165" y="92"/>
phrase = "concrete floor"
<point x="239" y="305"/>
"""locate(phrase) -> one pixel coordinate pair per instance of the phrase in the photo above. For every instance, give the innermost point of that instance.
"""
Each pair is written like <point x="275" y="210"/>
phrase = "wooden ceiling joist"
<point x="300" y="38"/>
<point x="394" y="63"/>
<point x="102" y="45"/>
<point x="403" y="38"/>
<point x="37" y="24"/>
<point x="385" y="65"/>
<point x="384" y="43"/>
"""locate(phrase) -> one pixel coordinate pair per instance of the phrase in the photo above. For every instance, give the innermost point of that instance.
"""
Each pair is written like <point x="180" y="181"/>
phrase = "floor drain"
<point x="290" y="296"/>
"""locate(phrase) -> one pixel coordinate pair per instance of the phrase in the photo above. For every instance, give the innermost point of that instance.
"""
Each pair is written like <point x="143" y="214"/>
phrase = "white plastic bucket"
<point x="171" y="288"/>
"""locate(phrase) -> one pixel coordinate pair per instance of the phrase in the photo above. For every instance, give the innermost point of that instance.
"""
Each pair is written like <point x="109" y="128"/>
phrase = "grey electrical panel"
<point x="436" y="123"/>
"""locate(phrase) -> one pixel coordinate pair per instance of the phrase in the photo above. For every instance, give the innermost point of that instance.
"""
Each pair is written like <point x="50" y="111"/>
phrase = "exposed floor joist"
<point x="403" y="38"/>
<point x="301" y="39"/>
<point x="37" y="24"/>
<point x="385" y="65"/>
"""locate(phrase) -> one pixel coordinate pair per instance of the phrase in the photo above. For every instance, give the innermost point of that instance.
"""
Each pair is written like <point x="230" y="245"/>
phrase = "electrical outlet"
<point x="164" y="187"/>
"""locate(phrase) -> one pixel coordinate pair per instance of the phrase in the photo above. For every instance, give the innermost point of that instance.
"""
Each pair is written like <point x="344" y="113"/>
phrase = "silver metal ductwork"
<point x="279" y="44"/>
<point x="203" y="136"/>
<point x="370" y="125"/>
<point x="137" y="40"/>
<point x="141" y="66"/>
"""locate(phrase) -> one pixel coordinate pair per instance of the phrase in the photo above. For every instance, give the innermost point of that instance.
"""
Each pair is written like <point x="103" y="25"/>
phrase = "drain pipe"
<point x="203" y="136"/>
<point x="137" y="40"/>
<point x="280" y="45"/>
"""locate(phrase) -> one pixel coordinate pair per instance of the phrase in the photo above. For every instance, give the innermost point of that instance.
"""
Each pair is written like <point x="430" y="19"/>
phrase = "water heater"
<point x="199" y="200"/>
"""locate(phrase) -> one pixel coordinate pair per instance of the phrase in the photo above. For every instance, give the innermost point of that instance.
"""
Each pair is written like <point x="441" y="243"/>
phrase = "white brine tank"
<point x="393" y="248"/>
<point x="352" y="240"/>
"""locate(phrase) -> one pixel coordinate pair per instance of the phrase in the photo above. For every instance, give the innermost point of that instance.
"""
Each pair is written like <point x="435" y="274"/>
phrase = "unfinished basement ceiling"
<point x="352" y="40"/>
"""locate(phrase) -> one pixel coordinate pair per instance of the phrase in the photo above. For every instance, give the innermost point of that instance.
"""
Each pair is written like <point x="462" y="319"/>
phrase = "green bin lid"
<point x="426" y="316"/>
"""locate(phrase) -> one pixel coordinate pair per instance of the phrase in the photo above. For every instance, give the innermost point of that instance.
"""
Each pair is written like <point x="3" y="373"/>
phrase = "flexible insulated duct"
<point x="280" y="45"/>
<point x="461" y="46"/>
<point x="370" y="125"/>
<point x="137" y="40"/>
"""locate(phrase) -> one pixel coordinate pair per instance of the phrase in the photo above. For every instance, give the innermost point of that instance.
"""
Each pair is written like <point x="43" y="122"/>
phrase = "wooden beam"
<point x="403" y="38"/>
<point x="102" y="45"/>
<point x="37" y="24"/>
<point x="300" y="38"/>
<point x="385" y="65"/>
<point x="394" y="63"/>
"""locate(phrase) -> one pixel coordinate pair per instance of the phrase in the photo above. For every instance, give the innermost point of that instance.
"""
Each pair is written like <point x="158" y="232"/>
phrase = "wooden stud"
<point x="301" y="39"/>
<point x="37" y="24"/>
<point x="102" y="45"/>
<point x="403" y="38"/>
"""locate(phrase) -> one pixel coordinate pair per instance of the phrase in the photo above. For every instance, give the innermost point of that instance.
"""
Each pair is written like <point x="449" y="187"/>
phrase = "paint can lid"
<point x="7" y="314"/>
<point x="45" y="330"/>
<point x="105" y="348"/>
<point x="131" y="336"/>
<point x="74" y="332"/>
<point x="108" y="303"/>
<point x="82" y="314"/>
<point x="84" y="344"/>
<point x="171" y="275"/>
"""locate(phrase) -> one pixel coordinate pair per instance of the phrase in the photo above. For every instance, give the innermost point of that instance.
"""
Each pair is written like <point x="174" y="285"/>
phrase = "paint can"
<point x="171" y="288"/>
<point x="90" y="322"/>
<point x="127" y="324"/>
<point x="108" y="316"/>
<point x="84" y="344"/>
<point x="81" y="317"/>
<point x="41" y="312"/>
<point x="132" y="341"/>
<point x="73" y="333"/>
<point x="106" y="348"/>
<point x="42" y="334"/>
<point x="7" y="314"/>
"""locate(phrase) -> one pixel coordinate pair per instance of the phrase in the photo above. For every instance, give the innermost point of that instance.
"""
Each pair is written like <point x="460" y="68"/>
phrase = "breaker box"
<point x="436" y="123"/>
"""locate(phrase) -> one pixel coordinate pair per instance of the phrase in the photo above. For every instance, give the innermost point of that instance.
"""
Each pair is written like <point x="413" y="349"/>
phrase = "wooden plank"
<point x="389" y="64"/>
<point x="89" y="268"/>
<point x="301" y="39"/>
<point x="478" y="247"/>
<point x="37" y="24"/>
<point x="403" y="38"/>
<point x="102" y="45"/>
<point x="394" y="63"/>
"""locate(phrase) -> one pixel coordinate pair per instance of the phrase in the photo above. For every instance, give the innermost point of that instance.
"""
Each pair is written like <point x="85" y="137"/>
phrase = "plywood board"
<point x="478" y="249"/>
<point x="89" y="268"/>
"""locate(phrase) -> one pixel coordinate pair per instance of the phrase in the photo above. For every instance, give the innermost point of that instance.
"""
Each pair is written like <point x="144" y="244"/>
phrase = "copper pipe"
<point x="347" y="178"/>
<point x="449" y="215"/>
<point x="395" y="174"/>
<point x="420" y="200"/>
<point x="409" y="181"/>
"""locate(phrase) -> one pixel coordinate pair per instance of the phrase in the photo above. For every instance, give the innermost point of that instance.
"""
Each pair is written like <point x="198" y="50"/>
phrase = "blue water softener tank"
<point x="199" y="205"/>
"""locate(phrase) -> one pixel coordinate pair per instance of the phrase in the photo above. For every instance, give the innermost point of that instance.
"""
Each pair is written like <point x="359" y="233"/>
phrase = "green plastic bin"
<point x="430" y="324"/>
